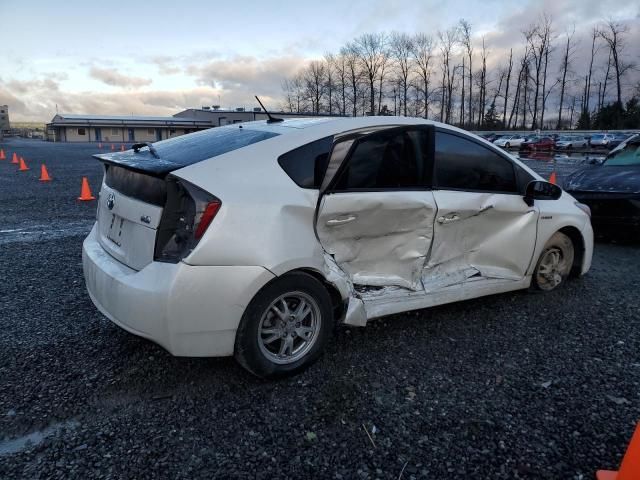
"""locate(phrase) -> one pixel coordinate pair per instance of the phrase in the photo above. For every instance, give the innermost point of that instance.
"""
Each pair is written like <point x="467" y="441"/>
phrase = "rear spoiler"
<point x="142" y="161"/>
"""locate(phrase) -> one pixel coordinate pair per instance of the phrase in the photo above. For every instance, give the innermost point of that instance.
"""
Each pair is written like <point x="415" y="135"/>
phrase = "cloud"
<point x="34" y="101"/>
<point x="115" y="79"/>
<point x="247" y="74"/>
<point x="166" y="65"/>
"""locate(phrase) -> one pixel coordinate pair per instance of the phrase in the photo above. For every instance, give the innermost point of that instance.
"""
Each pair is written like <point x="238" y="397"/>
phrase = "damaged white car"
<point x="254" y="240"/>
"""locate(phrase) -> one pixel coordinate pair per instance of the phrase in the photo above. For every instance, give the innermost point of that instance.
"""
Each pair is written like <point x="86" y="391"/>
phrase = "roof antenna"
<point x="271" y="119"/>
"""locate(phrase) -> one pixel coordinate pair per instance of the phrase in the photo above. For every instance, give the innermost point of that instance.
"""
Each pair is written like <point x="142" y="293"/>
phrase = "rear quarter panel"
<point x="265" y="219"/>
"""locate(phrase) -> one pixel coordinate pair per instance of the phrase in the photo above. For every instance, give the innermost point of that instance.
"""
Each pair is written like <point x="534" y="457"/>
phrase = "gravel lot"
<point x="518" y="385"/>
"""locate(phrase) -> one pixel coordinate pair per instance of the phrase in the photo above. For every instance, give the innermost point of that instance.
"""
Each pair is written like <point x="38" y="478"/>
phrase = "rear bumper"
<point x="191" y="311"/>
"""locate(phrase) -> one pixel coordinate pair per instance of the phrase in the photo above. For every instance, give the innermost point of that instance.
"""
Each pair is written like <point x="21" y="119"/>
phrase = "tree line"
<point x="451" y="77"/>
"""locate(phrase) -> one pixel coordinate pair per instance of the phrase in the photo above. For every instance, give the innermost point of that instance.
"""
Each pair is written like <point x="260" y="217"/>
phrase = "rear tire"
<point x="285" y="328"/>
<point x="554" y="264"/>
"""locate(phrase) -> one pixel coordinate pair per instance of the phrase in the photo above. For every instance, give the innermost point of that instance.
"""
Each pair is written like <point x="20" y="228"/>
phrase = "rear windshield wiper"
<point x="137" y="146"/>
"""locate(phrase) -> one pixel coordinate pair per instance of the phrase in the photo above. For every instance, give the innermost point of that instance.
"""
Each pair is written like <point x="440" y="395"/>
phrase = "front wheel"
<point x="555" y="262"/>
<point x="507" y="145"/>
<point x="285" y="327"/>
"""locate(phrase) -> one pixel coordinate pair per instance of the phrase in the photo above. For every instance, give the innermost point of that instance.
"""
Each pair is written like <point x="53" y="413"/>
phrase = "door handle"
<point x="340" y="221"/>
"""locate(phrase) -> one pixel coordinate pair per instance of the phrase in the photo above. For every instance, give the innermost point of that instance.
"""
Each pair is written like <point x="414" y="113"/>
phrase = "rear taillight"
<point x="187" y="214"/>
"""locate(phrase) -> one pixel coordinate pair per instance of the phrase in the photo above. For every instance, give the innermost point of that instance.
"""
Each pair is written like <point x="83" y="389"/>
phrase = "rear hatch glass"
<point x="168" y="155"/>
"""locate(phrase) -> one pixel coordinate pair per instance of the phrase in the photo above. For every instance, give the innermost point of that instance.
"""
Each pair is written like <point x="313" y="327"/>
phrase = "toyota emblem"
<point x="111" y="200"/>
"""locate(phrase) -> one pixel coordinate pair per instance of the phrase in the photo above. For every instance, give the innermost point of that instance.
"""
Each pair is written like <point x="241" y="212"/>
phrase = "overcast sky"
<point x="158" y="57"/>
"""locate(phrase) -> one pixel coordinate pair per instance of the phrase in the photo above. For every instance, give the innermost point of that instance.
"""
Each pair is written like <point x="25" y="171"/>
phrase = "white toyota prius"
<point x="255" y="239"/>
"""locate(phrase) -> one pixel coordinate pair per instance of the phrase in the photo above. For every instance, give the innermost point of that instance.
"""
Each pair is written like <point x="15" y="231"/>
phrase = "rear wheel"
<point x="555" y="262"/>
<point x="285" y="327"/>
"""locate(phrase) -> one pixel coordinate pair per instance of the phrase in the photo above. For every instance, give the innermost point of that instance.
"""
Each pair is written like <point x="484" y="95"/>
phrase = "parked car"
<point x="601" y="140"/>
<point x="538" y="143"/>
<point x="570" y="142"/>
<point x="509" y="141"/>
<point x="491" y="137"/>
<point x="255" y="239"/>
<point x="611" y="189"/>
<point x="618" y="138"/>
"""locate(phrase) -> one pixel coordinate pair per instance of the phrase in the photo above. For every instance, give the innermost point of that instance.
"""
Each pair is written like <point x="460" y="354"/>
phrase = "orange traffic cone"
<point x="23" y="165"/>
<point x="85" y="191"/>
<point x="2" y="155"/>
<point x="112" y="147"/>
<point x="552" y="178"/>
<point x="100" y="146"/>
<point x="14" y="159"/>
<point x="122" y="148"/>
<point x="44" y="175"/>
<point x="630" y="466"/>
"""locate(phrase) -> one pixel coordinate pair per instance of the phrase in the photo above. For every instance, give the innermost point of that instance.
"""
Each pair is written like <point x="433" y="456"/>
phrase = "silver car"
<point x="601" y="139"/>
<point x="509" y="141"/>
<point x="569" y="142"/>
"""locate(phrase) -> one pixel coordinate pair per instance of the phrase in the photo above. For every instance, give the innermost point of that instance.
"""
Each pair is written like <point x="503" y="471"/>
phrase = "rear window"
<point x="628" y="155"/>
<point x="185" y="150"/>
<point x="300" y="164"/>
<point x="195" y="147"/>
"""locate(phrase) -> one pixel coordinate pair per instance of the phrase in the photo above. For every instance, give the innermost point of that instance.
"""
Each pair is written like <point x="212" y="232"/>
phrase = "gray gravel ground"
<point x="518" y="385"/>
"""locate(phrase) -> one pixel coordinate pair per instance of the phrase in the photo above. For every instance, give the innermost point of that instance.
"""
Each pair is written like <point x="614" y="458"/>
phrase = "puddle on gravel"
<point x="38" y="233"/>
<point x="15" y="445"/>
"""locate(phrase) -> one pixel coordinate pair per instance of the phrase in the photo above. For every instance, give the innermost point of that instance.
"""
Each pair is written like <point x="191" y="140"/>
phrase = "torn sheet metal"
<point x="356" y="314"/>
<point x="479" y="235"/>
<point x="378" y="238"/>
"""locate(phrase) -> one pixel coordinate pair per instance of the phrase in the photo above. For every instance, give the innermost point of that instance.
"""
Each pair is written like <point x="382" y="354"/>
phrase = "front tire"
<point x="507" y="145"/>
<point x="555" y="263"/>
<point x="285" y="328"/>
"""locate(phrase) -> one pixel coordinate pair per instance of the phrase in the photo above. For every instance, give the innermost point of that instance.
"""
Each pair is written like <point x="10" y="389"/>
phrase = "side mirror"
<point x="541" y="190"/>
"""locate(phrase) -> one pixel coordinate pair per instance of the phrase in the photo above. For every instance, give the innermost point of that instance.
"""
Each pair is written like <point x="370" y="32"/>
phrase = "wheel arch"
<point x="578" y="248"/>
<point x="338" y="304"/>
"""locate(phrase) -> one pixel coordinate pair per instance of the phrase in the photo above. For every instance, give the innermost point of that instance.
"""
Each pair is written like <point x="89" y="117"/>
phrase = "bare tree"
<point x="482" y="84"/>
<point x="340" y="63"/>
<point x="329" y="60"/>
<point x="315" y="83"/>
<point x="462" y="91"/>
<point x="351" y="56"/>
<point x="371" y="49"/>
<point x="538" y="37"/>
<point x="423" y="56"/>
<point x="466" y="40"/>
<point x="613" y="35"/>
<point x="401" y="46"/>
<point x="568" y="51"/>
<point x="594" y="36"/>
<point x="506" y="91"/>
<point x="447" y="41"/>
<point x="546" y="92"/>
<point x="602" y="88"/>
<point x="400" y="70"/>
<point x="294" y="89"/>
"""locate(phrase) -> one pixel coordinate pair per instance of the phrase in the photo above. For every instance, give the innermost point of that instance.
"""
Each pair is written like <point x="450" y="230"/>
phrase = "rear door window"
<point x="462" y="164"/>
<point x="390" y="160"/>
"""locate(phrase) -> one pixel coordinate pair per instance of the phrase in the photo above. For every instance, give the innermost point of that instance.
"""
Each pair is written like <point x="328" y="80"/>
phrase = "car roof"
<point x="333" y="125"/>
